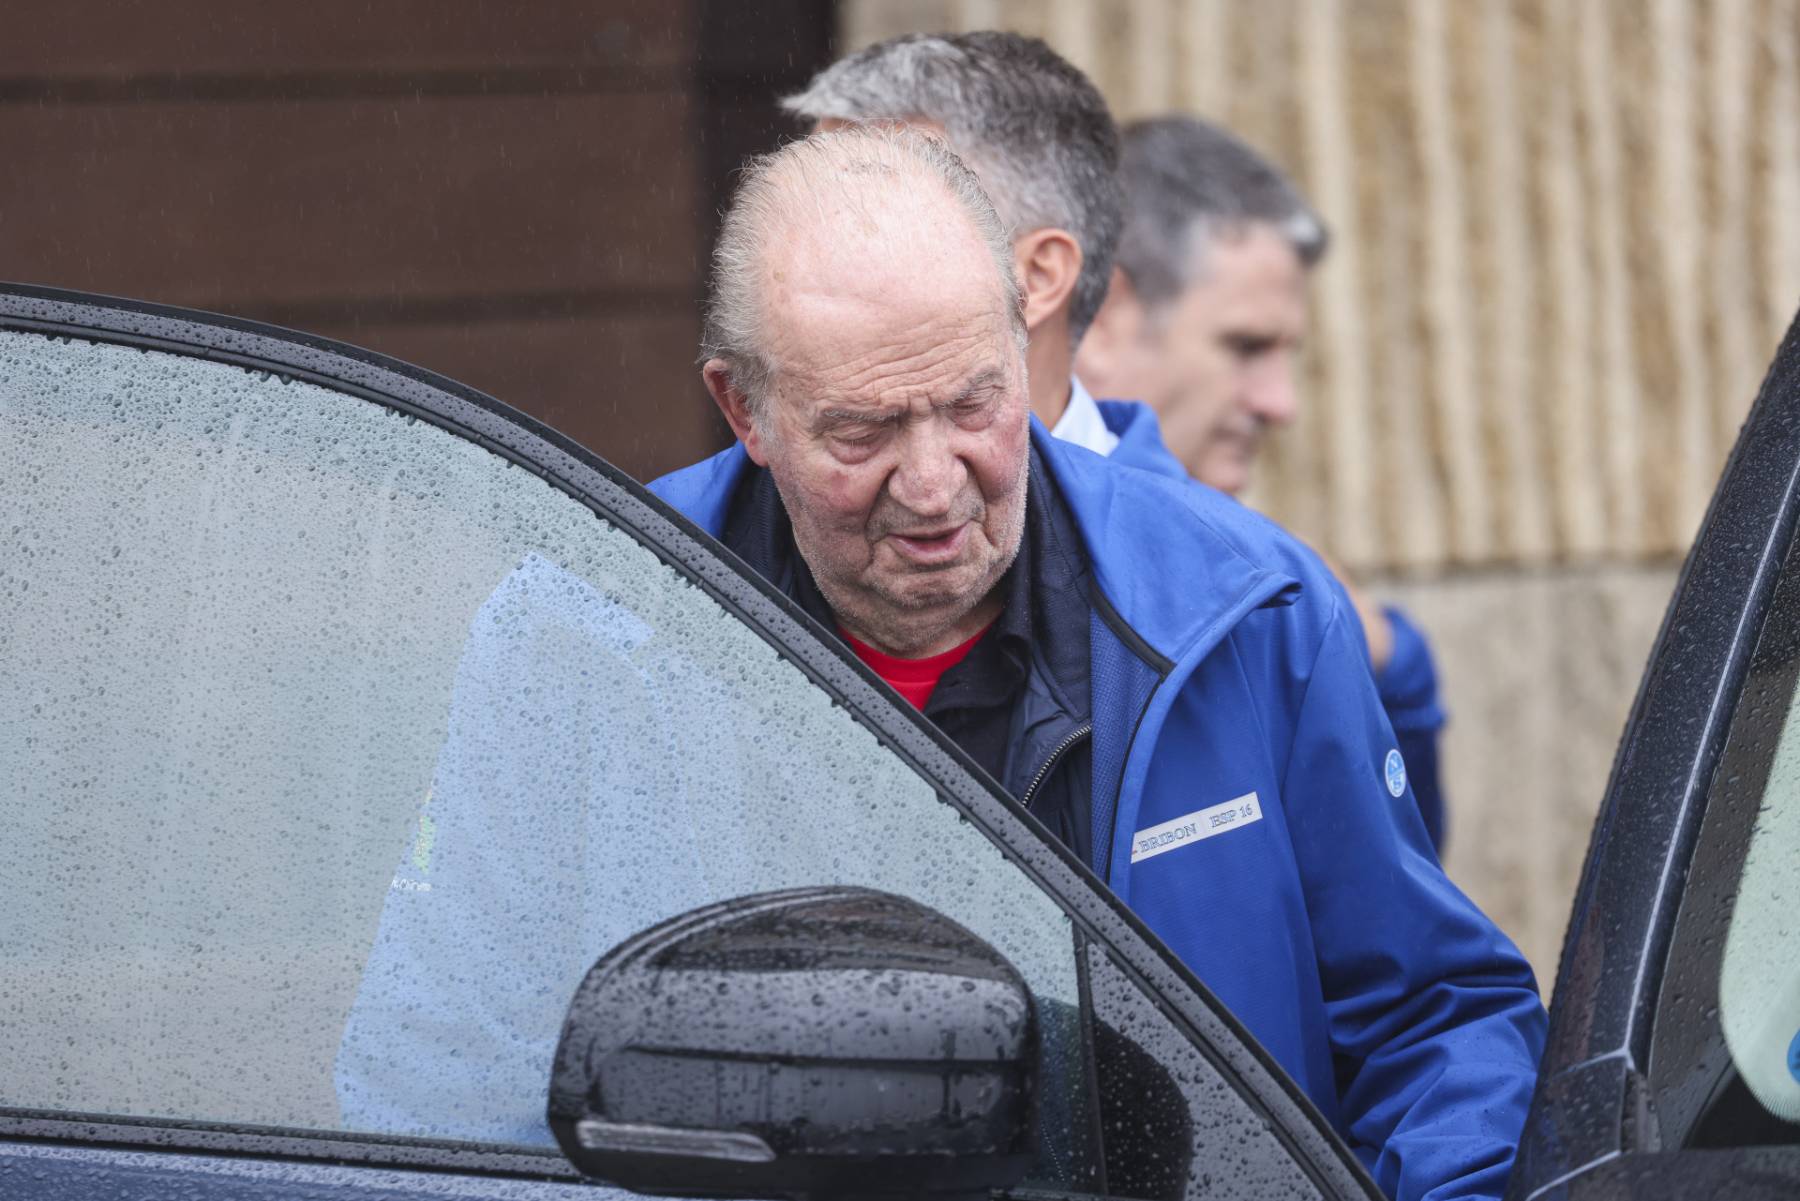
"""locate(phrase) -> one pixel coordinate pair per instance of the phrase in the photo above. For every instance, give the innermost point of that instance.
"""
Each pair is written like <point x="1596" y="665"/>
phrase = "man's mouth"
<point x="1242" y="444"/>
<point x="931" y="547"/>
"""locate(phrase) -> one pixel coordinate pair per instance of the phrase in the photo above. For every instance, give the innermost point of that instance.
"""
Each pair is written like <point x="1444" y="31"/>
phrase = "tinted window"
<point x="1174" y="1124"/>
<point x="1759" y="980"/>
<point x="339" y="747"/>
<point x="1725" y="1057"/>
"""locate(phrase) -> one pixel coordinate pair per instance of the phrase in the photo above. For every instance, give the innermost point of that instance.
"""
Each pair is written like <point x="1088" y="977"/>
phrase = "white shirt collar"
<point x="1082" y="424"/>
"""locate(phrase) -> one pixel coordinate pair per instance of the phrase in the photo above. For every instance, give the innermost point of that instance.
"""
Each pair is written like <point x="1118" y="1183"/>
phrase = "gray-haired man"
<point x="1207" y="307"/>
<point x="1203" y="322"/>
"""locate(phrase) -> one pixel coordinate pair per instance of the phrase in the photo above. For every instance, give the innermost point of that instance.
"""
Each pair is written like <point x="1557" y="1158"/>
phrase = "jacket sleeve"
<point x="1435" y="1022"/>
<point x="1408" y="687"/>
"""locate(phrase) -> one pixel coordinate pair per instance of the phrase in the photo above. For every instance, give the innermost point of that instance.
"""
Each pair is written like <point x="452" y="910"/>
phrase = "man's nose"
<point x="930" y="474"/>
<point x="1273" y="395"/>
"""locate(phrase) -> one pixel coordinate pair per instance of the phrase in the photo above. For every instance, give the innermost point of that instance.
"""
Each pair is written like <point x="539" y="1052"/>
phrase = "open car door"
<point x="1673" y="1066"/>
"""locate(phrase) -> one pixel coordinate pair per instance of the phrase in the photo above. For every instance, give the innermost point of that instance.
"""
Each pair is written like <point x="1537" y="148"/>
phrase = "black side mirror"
<point x="807" y="1043"/>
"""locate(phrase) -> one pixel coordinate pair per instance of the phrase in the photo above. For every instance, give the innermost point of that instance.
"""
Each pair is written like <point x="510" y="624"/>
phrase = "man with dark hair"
<point x="1204" y="322"/>
<point x="1207" y="739"/>
<point x="1207" y="307"/>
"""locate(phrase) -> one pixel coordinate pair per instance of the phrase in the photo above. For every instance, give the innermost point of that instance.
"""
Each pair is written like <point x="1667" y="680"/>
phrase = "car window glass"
<point x="1724" y="1061"/>
<point x="1174" y="1126"/>
<point x="1759" y="979"/>
<point x="338" y="747"/>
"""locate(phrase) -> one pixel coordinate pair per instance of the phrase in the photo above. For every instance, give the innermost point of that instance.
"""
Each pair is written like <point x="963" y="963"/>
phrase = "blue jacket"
<point x="1250" y="804"/>
<point x="1407" y="686"/>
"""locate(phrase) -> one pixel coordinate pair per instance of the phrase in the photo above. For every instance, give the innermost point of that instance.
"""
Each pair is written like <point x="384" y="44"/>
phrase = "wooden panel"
<point x="1735" y="351"/>
<point x="226" y="205"/>
<point x="1205" y="80"/>
<point x="1445" y="315"/>
<point x="1566" y="240"/>
<point x="111" y="39"/>
<point x="1572" y="471"/>
<point x="1505" y="270"/>
<point x="1153" y="90"/>
<point x="865" y="24"/>
<point x="749" y="56"/>
<point x="1340" y="329"/>
<point x="1681" y="241"/>
<point x="624" y="386"/>
<point x="1615" y="354"/>
<point x="779" y="42"/>
<point x="1779" y="151"/>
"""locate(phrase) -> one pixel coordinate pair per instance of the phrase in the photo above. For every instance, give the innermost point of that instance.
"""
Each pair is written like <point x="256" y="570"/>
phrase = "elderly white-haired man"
<point x="1219" y="370"/>
<point x="863" y="340"/>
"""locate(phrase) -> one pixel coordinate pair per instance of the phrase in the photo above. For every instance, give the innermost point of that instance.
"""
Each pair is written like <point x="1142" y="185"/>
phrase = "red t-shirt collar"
<point x="914" y="679"/>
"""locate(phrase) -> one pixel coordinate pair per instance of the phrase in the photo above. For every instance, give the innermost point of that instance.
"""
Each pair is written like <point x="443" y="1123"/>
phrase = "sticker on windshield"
<point x="1192" y="827"/>
<point x="1396" y="774"/>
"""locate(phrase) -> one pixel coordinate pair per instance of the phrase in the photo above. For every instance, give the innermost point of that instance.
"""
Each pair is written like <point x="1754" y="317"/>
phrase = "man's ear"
<point x="736" y="406"/>
<point x="1115" y="327"/>
<point x="1049" y="260"/>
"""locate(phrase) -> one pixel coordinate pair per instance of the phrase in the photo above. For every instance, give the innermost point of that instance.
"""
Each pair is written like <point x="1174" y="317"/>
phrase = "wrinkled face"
<point x="898" y="436"/>
<point x="1219" y="364"/>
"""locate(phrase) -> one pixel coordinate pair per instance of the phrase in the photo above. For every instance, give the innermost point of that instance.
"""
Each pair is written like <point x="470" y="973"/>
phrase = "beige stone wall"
<point x="1567" y="243"/>
<point x="1539" y="668"/>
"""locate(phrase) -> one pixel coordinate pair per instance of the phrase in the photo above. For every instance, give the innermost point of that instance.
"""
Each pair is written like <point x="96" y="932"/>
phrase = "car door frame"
<point x="1097" y="915"/>
<point x="1592" y="1104"/>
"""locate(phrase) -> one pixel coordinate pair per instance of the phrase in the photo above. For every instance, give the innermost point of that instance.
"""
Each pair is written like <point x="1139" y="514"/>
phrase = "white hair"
<point x="825" y="178"/>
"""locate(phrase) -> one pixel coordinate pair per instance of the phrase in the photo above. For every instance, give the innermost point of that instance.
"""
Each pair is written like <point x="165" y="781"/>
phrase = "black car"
<point x="303" y="651"/>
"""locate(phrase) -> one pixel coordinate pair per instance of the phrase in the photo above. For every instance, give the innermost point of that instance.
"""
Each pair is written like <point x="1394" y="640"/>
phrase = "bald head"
<point x="872" y="214"/>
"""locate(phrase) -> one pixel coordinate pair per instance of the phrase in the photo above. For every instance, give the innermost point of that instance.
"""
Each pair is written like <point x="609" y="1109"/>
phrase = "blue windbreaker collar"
<point x="1124" y="519"/>
<point x="1140" y="438"/>
<point x="1138" y="552"/>
<point x="702" y="492"/>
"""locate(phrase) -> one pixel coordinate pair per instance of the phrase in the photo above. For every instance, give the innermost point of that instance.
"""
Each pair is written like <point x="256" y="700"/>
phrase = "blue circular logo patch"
<point x="1396" y="774"/>
<point x="1794" y="1057"/>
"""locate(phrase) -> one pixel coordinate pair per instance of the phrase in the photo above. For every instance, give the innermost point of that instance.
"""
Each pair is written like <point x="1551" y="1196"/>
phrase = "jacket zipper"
<point x="1056" y="752"/>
